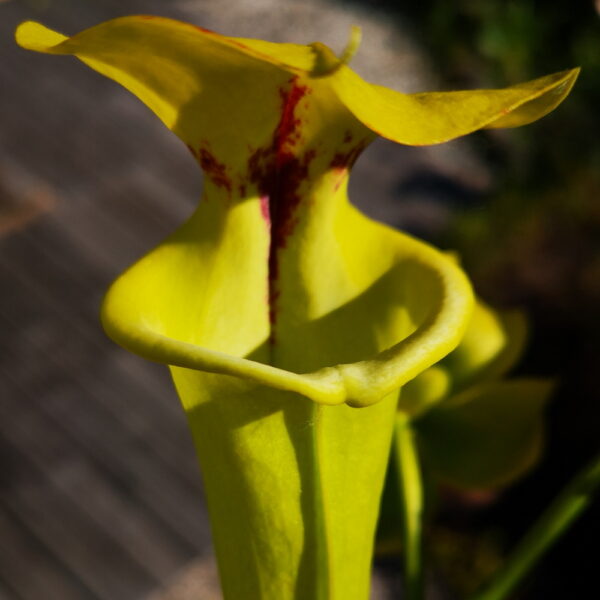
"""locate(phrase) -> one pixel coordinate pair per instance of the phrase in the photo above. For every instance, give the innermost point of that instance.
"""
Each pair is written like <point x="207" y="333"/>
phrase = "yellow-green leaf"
<point x="488" y="435"/>
<point x="434" y="117"/>
<point x="492" y="344"/>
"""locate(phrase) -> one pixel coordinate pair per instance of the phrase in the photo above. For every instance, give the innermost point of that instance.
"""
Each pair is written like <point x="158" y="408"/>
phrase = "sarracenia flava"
<point x="289" y="320"/>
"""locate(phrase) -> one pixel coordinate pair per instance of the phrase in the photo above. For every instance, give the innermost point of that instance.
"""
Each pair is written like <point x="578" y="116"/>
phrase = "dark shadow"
<point x="438" y="188"/>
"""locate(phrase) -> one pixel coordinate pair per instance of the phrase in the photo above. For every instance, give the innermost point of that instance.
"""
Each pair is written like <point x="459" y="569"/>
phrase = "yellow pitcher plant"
<point x="289" y="320"/>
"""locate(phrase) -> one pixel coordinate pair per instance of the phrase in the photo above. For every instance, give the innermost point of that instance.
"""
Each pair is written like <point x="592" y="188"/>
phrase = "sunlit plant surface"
<point x="289" y="320"/>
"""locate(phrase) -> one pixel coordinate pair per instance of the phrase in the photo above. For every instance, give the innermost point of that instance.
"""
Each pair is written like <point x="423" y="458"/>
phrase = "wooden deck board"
<point x="105" y="507"/>
<point x="100" y="491"/>
<point x="28" y="570"/>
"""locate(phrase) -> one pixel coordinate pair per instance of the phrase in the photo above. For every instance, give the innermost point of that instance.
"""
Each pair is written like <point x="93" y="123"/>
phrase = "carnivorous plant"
<point x="289" y="320"/>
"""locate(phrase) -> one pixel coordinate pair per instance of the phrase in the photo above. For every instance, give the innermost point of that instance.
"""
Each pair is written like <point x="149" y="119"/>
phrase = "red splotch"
<point x="213" y="169"/>
<point x="278" y="171"/>
<point x="344" y="160"/>
<point x="287" y="132"/>
<point x="264" y="209"/>
<point x="347" y="137"/>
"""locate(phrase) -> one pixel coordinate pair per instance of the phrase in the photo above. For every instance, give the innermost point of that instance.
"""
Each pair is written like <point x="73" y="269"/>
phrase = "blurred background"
<point x="100" y="495"/>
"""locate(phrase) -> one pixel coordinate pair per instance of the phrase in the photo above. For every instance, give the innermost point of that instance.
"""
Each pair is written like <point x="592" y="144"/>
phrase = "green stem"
<point x="411" y="490"/>
<point x="572" y="501"/>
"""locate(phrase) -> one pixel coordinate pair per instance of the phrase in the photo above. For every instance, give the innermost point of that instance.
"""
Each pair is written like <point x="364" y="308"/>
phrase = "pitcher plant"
<point x="289" y="320"/>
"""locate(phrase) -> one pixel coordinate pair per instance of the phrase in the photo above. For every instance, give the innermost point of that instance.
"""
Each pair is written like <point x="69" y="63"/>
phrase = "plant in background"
<point x="290" y="321"/>
<point x="497" y="420"/>
<point x="474" y="429"/>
